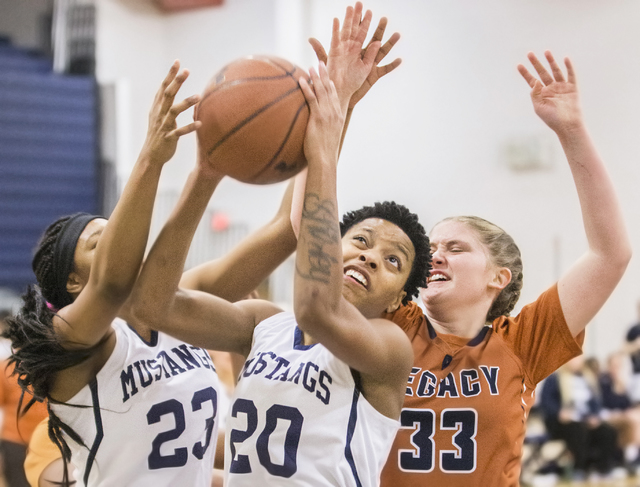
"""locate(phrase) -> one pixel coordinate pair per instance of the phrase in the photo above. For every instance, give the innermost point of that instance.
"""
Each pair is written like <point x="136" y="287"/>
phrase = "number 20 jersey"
<point x="298" y="417"/>
<point x="466" y="403"/>
<point x="150" y="418"/>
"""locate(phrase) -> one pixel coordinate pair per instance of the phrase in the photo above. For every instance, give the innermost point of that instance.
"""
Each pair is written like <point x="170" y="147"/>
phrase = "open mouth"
<point x="358" y="277"/>
<point x="437" y="277"/>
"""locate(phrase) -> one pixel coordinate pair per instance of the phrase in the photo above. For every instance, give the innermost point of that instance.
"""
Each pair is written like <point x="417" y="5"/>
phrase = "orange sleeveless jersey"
<point x="465" y="409"/>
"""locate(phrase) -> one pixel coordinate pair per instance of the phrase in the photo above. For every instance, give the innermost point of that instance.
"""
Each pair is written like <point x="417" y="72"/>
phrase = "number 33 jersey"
<point x="467" y="401"/>
<point x="150" y="418"/>
<point x="298" y="418"/>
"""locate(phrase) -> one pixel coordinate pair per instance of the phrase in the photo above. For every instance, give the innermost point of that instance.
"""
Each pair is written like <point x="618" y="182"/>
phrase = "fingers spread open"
<point x="387" y="68"/>
<point x="571" y="74"/>
<point x="355" y="20"/>
<point x="178" y="108"/>
<point x="308" y="92"/>
<point x="319" y="83"/>
<point x="363" y="28"/>
<point x="171" y="90"/>
<point x="321" y="54"/>
<point x="335" y="34"/>
<point x="175" y="67"/>
<point x="529" y="78"/>
<point x="187" y="129"/>
<point x="379" y="32"/>
<point x="387" y="46"/>
<point x="371" y="53"/>
<point x="345" y="32"/>
<point x="540" y="69"/>
<point x="555" y="69"/>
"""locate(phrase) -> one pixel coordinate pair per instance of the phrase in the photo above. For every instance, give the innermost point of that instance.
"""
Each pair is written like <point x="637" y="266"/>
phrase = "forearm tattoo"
<point x="319" y="230"/>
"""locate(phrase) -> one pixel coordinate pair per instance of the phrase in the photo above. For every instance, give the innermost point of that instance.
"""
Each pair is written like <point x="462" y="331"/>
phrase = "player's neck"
<point x="308" y="339"/>
<point x="462" y="322"/>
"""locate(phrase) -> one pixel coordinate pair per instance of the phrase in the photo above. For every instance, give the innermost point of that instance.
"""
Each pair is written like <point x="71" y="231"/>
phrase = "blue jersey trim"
<point x="154" y="336"/>
<point x="353" y="419"/>
<point x="298" y="340"/>
<point x="99" y="431"/>
<point x="430" y="329"/>
<point x="475" y="341"/>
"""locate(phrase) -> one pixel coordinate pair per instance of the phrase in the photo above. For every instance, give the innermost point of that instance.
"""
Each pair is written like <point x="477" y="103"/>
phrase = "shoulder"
<point x="545" y="309"/>
<point x="259" y="309"/>
<point x="396" y="341"/>
<point x="409" y="317"/>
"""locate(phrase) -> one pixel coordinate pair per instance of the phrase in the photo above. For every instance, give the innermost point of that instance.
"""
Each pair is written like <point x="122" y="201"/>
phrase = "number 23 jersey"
<point x="298" y="418"/>
<point x="466" y="403"/>
<point x="150" y="418"/>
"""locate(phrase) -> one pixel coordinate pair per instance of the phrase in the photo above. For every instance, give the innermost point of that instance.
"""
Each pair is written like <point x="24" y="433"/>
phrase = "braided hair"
<point x="43" y="262"/>
<point x="38" y="354"/>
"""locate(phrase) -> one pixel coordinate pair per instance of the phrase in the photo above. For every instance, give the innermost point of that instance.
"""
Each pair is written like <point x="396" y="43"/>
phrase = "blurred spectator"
<point x="633" y="349"/>
<point x="593" y="364"/>
<point x="618" y="409"/>
<point x="571" y="404"/>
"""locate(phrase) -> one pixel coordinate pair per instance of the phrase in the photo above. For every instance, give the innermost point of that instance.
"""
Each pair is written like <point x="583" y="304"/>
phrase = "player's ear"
<point x="74" y="284"/>
<point x="396" y="302"/>
<point x="501" y="278"/>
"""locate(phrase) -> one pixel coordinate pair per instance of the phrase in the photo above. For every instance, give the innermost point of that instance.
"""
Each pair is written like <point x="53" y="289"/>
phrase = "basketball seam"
<point x="230" y="84"/>
<point x="293" y="67"/>
<point x="284" y="142"/>
<point x="251" y="117"/>
<point x="225" y="85"/>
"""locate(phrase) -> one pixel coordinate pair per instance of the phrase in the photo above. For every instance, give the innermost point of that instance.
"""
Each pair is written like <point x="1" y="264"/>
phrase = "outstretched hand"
<point x="326" y="119"/>
<point x="377" y="71"/>
<point x="163" y="132"/>
<point x="346" y="63"/>
<point x="555" y="99"/>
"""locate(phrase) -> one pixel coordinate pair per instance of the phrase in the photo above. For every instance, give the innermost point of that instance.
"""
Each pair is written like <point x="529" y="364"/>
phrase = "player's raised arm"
<point x="239" y="272"/>
<point x="376" y="72"/>
<point x="355" y="335"/>
<point x="120" y="245"/>
<point x="338" y="64"/>
<point x="195" y="317"/>
<point x="589" y="282"/>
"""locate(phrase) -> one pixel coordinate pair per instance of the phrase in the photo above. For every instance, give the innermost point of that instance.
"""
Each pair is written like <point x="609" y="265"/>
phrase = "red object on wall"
<point x="177" y="5"/>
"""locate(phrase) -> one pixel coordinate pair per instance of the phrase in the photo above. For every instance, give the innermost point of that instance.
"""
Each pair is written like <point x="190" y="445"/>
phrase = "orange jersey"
<point x="465" y="409"/>
<point x="17" y="428"/>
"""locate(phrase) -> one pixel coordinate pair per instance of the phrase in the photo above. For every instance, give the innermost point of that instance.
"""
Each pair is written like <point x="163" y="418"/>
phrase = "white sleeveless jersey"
<point x="151" y="415"/>
<point x="298" y="418"/>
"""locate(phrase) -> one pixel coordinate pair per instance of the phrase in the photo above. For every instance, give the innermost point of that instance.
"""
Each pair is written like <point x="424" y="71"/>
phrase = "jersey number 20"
<point x="241" y="463"/>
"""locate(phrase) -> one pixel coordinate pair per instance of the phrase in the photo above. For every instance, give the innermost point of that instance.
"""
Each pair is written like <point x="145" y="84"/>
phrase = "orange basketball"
<point x="254" y="116"/>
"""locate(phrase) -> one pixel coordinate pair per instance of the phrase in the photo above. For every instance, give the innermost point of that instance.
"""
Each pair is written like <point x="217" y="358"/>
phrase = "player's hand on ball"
<point x="377" y="71"/>
<point x="163" y="132"/>
<point x="324" y="128"/>
<point x="205" y="168"/>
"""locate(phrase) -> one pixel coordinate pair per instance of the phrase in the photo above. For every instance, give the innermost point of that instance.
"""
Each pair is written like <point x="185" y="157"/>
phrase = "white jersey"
<point x="298" y="417"/>
<point x="149" y="418"/>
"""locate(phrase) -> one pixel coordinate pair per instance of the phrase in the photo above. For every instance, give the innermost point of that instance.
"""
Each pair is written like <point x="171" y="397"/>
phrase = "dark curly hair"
<point x="408" y="222"/>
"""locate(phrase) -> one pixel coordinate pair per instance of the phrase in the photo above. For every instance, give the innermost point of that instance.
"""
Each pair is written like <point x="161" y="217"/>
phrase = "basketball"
<point x="254" y="116"/>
